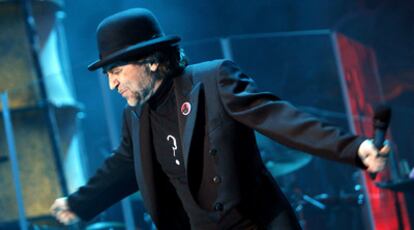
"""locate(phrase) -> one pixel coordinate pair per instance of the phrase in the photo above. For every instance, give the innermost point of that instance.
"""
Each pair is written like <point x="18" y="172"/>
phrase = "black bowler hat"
<point x="129" y="34"/>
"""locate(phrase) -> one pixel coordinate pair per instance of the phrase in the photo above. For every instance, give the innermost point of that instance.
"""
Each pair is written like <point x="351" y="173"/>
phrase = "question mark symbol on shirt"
<point x="171" y="137"/>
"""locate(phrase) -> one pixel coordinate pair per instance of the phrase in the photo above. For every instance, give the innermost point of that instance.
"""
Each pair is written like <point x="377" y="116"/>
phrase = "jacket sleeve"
<point x="112" y="182"/>
<point x="281" y="121"/>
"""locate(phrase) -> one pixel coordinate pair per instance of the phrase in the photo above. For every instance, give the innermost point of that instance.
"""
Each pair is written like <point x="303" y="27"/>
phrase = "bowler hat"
<point x="129" y="34"/>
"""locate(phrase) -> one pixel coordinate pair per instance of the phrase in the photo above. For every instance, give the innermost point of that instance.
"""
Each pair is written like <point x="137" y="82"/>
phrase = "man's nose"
<point x="113" y="82"/>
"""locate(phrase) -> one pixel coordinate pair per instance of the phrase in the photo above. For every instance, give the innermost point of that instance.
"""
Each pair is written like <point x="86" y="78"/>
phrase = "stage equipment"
<point x="332" y="77"/>
<point x="402" y="185"/>
<point x="105" y="226"/>
<point x="44" y="112"/>
<point x="278" y="159"/>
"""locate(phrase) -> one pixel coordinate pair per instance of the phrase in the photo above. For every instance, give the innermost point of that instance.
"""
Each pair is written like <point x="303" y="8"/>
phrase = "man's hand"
<point x="60" y="210"/>
<point x="374" y="160"/>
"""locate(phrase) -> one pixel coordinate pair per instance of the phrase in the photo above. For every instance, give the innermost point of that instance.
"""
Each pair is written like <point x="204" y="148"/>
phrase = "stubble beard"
<point x="147" y="90"/>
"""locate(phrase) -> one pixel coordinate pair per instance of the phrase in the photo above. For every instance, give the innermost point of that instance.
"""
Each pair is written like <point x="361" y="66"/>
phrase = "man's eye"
<point x="116" y="71"/>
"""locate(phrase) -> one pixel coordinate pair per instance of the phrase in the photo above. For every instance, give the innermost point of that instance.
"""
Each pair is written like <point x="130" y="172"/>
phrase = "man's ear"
<point x="153" y="66"/>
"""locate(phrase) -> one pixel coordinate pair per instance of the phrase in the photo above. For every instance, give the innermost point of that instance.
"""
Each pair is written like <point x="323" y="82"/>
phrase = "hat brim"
<point x="135" y="50"/>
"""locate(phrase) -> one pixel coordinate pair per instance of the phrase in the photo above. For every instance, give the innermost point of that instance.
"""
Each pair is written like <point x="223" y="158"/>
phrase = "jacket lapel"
<point x="185" y="91"/>
<point x="143" y="155"/>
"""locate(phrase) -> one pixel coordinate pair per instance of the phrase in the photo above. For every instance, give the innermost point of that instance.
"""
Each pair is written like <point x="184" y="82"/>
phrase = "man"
<point x="188" y="139"/>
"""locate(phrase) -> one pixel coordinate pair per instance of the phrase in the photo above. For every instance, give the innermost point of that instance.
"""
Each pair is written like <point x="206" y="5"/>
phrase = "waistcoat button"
<point x="218" y="206"/>
<point x="213" y="152"/>
<point x="217" y="180"/>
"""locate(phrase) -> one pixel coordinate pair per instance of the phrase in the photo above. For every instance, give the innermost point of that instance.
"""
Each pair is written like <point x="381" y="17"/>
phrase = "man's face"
<point x="135" y="82"/>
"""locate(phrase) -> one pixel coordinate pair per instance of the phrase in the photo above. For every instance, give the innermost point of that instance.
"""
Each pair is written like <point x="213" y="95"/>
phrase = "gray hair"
<point x="171" y="60"/>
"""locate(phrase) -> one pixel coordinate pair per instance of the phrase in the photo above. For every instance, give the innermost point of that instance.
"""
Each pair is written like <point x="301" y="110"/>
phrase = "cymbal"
<point x="279" y="159"/>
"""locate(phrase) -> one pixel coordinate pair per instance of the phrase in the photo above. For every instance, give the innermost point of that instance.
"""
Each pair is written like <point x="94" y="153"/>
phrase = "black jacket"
<point x="218" y="142"/>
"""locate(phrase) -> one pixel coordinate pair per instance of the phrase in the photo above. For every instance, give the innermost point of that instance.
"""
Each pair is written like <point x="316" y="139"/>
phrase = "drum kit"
<point x="278" y="159"/>
<point x="282" y="163"/>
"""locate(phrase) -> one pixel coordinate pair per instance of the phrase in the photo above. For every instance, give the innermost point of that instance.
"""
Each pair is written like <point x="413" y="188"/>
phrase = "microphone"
<point x="382" y="117"/>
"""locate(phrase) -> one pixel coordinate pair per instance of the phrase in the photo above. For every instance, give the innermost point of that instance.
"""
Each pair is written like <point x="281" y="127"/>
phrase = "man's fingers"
<point x="376" y="165"/>
<point x="60" y="204"/>
<point x="66" y="217"/>
<point x="385" y="150"/>
<point x="69" y="218"/>
<point x="60" y="215"/>
<point x="54" y="210"/>
<point x="372" y="158"/>
<point x="55" y="207"/>
<point x="62" y="212"/>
